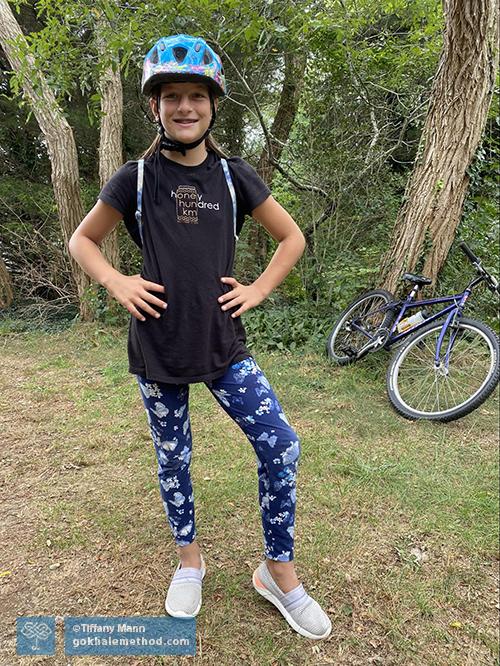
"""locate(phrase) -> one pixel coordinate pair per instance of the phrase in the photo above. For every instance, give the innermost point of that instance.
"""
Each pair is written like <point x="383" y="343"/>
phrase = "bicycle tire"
<point x="484" y="390"/>
<point x="362" y="302"/>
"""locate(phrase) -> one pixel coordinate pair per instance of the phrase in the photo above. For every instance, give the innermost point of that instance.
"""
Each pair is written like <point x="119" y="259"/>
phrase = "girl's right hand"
<point x="130" y="291"/>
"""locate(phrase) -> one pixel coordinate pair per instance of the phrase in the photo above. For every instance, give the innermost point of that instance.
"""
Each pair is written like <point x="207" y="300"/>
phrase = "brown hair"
<point x="210" y="142"/>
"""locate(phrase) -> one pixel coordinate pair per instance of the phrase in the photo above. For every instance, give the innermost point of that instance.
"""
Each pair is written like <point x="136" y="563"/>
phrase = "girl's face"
<point x="185" y="110"/>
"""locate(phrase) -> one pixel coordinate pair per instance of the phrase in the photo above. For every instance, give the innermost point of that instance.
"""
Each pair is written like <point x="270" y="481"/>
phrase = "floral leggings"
<point x="246" y="395"/>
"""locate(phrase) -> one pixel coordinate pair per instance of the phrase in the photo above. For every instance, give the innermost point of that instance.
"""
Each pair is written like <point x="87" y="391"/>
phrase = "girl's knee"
<point x="170" y="466"/>
<point x="172" y="458"/>
<point x="282" y="449"/>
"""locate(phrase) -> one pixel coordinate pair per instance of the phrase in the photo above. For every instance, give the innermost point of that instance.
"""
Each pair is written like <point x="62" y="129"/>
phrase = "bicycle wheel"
<point x="344" y="342"/>
<point x="419" y="390"/>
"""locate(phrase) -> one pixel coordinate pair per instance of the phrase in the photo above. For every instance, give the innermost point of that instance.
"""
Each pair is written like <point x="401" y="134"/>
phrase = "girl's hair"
<point x="210" y="142"/>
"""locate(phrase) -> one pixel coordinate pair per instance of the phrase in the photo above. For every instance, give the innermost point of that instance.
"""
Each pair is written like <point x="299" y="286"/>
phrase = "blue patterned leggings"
<point x="246" y="395"/>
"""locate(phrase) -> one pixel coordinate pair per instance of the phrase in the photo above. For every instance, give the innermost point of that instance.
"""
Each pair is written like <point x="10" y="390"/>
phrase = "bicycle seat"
<point x="417" y="279"/>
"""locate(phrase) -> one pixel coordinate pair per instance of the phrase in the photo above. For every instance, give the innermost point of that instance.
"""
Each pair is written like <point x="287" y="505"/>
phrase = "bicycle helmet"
<point x="183" y="58"/>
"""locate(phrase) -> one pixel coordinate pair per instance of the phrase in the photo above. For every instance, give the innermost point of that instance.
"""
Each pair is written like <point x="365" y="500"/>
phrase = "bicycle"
<point x="444" y="365"/>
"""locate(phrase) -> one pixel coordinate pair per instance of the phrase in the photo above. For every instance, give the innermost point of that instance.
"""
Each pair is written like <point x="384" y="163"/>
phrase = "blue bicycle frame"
<point x="453" y="312"/>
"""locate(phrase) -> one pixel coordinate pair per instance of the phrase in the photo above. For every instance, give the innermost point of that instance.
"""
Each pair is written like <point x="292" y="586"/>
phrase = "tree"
<point x="295" y="65"/>
<point x="110" y="139"/>
<point x="83" y="25"/>
<point x="57" y="132"/>
<point x="6" y="293"/>
<point x="459" y="102"/>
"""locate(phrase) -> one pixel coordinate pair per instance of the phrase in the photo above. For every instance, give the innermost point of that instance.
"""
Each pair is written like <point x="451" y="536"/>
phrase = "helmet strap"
<point x="171" y="144"/>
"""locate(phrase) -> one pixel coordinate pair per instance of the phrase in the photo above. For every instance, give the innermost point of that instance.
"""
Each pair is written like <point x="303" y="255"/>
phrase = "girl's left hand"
<point x="246" y="296"/>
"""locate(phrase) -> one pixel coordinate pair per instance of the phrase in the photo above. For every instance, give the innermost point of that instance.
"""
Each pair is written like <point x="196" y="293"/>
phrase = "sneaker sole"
<point x="264" y="592"/>
<point x="181" y="614"/>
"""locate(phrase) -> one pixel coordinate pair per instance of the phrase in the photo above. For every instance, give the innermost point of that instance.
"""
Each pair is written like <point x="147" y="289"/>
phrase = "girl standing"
<point x="184" y="205"/>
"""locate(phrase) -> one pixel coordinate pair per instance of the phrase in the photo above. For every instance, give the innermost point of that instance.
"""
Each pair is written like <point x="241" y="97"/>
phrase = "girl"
<point x="184" y="204"/>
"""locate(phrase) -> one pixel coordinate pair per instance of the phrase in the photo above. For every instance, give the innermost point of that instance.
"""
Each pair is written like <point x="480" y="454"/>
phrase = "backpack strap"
<point x="138" y="212"/>
<point x="232" y="192"/>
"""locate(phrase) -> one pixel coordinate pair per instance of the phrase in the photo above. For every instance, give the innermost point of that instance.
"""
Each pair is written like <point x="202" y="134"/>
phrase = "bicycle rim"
<point x="428" y="391"/>
<point x="352" y="339"/>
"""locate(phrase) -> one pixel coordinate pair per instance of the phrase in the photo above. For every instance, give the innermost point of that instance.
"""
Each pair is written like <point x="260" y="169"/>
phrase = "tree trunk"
<point x="295" y="65"/>
<point x="59" y="138"/>
<point x="6" y="293"/>
<point x="459" y="102"/>
<point x="110" y="144"/>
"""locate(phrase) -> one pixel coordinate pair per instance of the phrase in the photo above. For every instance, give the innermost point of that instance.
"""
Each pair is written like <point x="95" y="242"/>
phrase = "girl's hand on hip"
<point x="131" y="292"/>
<point x="246" y="296"/>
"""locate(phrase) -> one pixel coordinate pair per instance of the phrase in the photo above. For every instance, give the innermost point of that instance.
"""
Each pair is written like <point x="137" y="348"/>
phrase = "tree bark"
<point x="295" y="65"/>
<point x="59" y="138"/>
<point x="459" y="101"/>
<point x="110" y="141"/>
<point x="6" y="293"/>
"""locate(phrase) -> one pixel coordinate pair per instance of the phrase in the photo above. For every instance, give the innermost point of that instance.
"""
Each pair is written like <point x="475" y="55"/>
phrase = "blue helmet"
<point x="183" y="58"/>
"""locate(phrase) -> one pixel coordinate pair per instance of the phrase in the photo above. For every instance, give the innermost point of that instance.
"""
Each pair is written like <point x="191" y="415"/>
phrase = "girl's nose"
<point x="184" y="103"/>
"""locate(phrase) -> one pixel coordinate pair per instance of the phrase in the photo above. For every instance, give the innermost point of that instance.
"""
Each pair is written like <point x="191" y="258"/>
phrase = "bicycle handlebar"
<point x="466" y="249"/>
<point x="491" y="281"/>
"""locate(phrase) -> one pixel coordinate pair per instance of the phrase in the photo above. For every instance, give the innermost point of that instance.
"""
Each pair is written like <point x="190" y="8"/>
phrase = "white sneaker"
<point x="301" y="611"/>
<point x="184" y="593"/>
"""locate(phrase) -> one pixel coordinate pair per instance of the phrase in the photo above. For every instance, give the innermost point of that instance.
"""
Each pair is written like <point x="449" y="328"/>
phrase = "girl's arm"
<point x="83" y="244"/>
<point x="129" y="290"/>
<point x="292" y="242"/>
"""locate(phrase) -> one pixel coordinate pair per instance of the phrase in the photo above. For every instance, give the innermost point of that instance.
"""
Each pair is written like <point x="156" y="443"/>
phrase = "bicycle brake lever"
<point x="494" y="286"/>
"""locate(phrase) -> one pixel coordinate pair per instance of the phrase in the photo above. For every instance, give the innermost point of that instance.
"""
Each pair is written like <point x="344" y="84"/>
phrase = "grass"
<point x="397" y="522"/>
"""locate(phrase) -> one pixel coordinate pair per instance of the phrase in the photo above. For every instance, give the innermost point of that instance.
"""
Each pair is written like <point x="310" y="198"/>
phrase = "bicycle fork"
<point x="441" y="367"/>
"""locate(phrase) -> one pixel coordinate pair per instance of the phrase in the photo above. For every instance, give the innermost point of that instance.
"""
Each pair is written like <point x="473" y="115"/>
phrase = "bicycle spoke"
<point x="446" y="388"/>
<point x="448" y="385"/>
<point x="428" y="390"/>
<point x="419" y="389"/>
<point x="464" y="391"/>
<point x="427" y="394"/>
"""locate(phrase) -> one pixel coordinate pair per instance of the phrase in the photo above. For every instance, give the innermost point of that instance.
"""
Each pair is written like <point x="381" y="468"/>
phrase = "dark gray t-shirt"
<point x="189" y="245"/>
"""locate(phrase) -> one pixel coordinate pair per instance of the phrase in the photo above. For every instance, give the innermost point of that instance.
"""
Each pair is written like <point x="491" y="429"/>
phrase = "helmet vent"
<point x="207" y="58"/>
<point x="179" y="53"/>
<point x="154" y="57"/>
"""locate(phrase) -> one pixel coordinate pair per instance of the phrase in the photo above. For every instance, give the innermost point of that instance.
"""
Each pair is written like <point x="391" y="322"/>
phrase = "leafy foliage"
<point x="355" y="136"/>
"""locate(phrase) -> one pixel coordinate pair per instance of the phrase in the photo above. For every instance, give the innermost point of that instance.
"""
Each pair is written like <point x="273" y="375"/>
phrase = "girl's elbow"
<point x="72" y="244"/>
<point x="303" y="243"/>
<point x="297" y="241"/>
